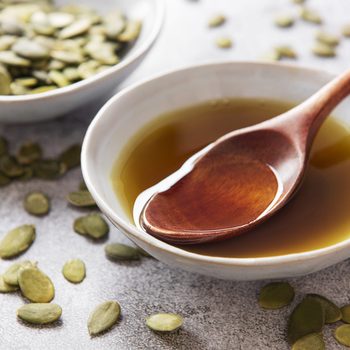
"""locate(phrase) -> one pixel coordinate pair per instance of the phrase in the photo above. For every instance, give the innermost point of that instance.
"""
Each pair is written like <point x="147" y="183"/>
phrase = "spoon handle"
<point x="305" y="120"/>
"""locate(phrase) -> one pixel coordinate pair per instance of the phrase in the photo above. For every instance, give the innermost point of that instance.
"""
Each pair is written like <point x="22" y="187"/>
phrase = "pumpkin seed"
<point x="131" y="31"/>
<point x="29" y="152"/>
<point x="74" y="270"/>
<point x="323" y="50"/>
<point x="345" y="310"/>
<point x="10" y="167"/>
<point x="39" y="313"/>
<point x="223" y="43"/>
<point x="43" y="89"/>
<point x="285" y="52"/>
<point x="4" y="180"/>
<point x="103" y="317"/>
<point x="55" y="65"/>
<point x="35" y="285"/>
<point x="114" y="24"/>
<point x="5" y="81"/>
<point x="276" y="295"/>
<point x="310" y="16"/>
<point x="37" y="203"/>
<point x="163" y="322"/>
<point x="27" y="174"/>
<point x="313" y="341"/>
<point x="5" y="287"/>
<point x="26" y="82"/>
<point x="342" y="334"/>
<point x="307" y="317"/>
<point x="328" y="39"/>
<point x="58" y="78"/>
<point x="346" y="31"/>
<point x="81" y="199"/>
<point x="95" y="226"/>
<point x="332" y="312"/>
<point x="71" y="74"/>
<point x="69" y="57"/>
<point x="11" y="274"/>
<point x="216" y="21"/>
<point x="6" y="41"/>
<point x="11" y="59"/>
<point x="88" y="69"/>
<point x="119" y="251"/>
<point x="60" y="19"/>
<point x="284" y="21"/>
<point x="78" y="226"/>
<point x="71" y="156"/>
<point x="30" y="49"/>
<point x="48" y="169"/>
<point x="17" y="241"/>
<point x="77" y="28"/>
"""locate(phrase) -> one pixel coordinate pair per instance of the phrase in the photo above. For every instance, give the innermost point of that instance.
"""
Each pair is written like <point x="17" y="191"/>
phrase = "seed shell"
<point x="5" y="287"/>
<point x="81" y="199"/>
<point x="17" y="241"/>
<point x="332" y="312"/>
<point x="342" y="334"/>
<point x="307" y="317"/>
<point x="345" y="310"/>
<point x="37" y="203"/>
<point x="313" y="341"/>
<point x="39" y="313"/>
<point x="119" y="251"/>
<point x="11" y="274"/>
<point x="74" y="270"/>
<point x="103" y="317"/>
<point x="35" y="285"/>
<point x="164" y="322"/>
<point x="276" y="295"/>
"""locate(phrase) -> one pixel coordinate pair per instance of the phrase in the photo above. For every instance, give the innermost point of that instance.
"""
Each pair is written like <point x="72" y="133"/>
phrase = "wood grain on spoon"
<point x="242" y="178"/>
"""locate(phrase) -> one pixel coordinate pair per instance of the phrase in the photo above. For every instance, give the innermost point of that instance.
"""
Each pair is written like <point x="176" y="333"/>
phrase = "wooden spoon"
<point x="240" y="180"/>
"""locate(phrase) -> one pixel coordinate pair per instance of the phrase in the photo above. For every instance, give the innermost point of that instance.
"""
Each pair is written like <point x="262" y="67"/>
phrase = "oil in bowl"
<point x="318" y="215"/>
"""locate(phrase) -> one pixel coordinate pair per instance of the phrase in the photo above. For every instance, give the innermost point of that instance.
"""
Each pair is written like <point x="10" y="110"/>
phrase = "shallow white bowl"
<point x="129" y="110"/>
<point x="29" y="108"/>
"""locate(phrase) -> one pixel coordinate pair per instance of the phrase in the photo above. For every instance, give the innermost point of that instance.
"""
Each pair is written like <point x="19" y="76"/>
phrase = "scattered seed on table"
<point x="223" y="43"/>
<point x="216" y="21"/>
<point x="81" y="199"/>
<point x="313" y="341"/>
<point x="74" y="270"/>
<point x="5" y="287"/>
<point x="164" y="322"/>
<point x="119" y="251"/>
<point x="284" y="21"/>
<point x="37" y="203"/>
<point x="11" y="274"/>
<point x="276" y="295"/>
<point x="342" y="334"/>
<point x="39" y="313"/>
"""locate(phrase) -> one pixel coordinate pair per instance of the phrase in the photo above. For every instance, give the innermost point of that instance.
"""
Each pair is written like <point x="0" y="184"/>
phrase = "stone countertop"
<point x="218" y="314"/>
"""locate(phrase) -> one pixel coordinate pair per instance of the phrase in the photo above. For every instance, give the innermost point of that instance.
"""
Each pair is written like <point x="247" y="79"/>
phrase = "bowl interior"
<point x="133" y="108"/>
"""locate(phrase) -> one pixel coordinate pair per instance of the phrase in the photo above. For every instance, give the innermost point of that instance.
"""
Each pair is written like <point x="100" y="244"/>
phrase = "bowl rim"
<point x="83" y="84"/>
<point x="90" y="142"/>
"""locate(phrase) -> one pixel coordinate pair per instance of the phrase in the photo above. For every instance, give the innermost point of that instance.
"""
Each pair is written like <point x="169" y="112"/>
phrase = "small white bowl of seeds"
<point x="56" y="55"/>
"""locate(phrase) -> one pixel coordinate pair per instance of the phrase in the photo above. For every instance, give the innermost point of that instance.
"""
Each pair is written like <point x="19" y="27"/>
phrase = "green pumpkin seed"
<point x="10" y="167"/>
<point x="58" y="78"/>
<point x="276" y="295"/>
<point x="5" y="287"/>
<point x="35" y="285"/>
<point x="114" y="24"/>
<point x="313" y="341"/>
<point x="55" y="65"/>
<point x="5" y="81"/>
<point x="42" y="89"/>
<point x="71" y="74"/>
<point x="342" y="334"/>
<point x="307" y="317"/>
<point x="163" y="322"/>
<point x="30" y="49"/>
<point x="77" y="28"/>
<point x="88" y="69"/>
<point x="323" y="50"/>
<point x="95" y="226"/>
<point x="81" y="199"/>
<point x="345" y="310"/>
<point x="78" y="226"/>
<point x="74" y="270"/>
<point x="69" y="57"/>
<point x="71" y="156"/>
<point x="285" y="52"/>
<point x="60" y="19"/>
<point x="39" y="313"/>
<point x="284" y="21"/>
<point x="119" y="251"/>
<point x="4" y="180"/>
<point x="27" y="174"/>
<point x="103" y="317"/>
<point x="332" y="312"/>
<point x="17" y="241"/>
<point x="11" y="274"/>
<point x="310" y="16"/>
<point x="37" y="203"/>
<point x="28" y="153"/>
<point x="131" y="31"/>
<point x="346" y="31"/>
<point x="26" y="82"/>
<point x="11" y="59"/>
<point x="216" y="21"/>
<point x="328" y="39"/>
<point x="6" y="41"/>
<point x="223" y="43"/>
<point x="48" y="169"/>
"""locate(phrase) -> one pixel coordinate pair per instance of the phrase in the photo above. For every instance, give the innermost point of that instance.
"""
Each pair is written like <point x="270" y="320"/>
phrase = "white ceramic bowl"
<point x="129" y="110"/>
<point x="29" y="108"/>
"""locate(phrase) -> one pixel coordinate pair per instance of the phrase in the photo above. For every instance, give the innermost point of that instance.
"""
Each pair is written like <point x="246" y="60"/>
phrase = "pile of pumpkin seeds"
<point x="43" y="47"/>
<point x="308" y="318"/>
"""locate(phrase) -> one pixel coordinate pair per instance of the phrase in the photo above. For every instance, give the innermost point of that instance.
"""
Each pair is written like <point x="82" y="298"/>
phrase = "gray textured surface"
<point x="218" y="314"/>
